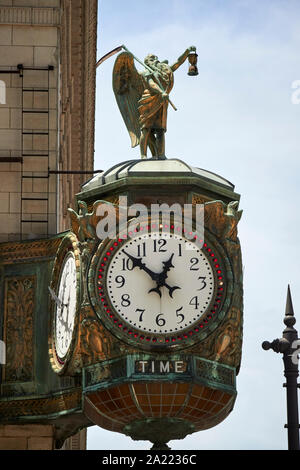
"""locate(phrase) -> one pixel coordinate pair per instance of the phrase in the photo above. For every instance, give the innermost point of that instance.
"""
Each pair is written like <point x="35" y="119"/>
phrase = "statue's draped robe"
<point x="152" y="107"/>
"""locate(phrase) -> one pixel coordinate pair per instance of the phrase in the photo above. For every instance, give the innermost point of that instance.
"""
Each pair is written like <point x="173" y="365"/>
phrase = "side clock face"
<point x="65" y="309"/>
<point x="160" y="288"/>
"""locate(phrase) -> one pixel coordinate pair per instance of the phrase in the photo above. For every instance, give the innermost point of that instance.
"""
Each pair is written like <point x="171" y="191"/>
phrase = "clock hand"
<point x="163" y="276"/>
<point x="167" y="266"/>
<point x="159" y="278"/>
<point x="155" y="289"/>
<point x="137" y="262"/>
<point x="59" y="304"/>
<point x="171" y="289"/>
<point x="55" y="298"/>
<point x="67" y="307"/>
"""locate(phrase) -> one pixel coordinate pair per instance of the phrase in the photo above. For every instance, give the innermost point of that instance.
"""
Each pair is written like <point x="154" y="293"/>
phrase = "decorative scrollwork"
<point x="13" y="252"/>
<point x="69" y="400"/>
<point x="19" y="312"/>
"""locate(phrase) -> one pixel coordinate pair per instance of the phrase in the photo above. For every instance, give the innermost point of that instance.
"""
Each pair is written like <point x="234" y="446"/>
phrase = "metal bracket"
<point x="75" y="172"/>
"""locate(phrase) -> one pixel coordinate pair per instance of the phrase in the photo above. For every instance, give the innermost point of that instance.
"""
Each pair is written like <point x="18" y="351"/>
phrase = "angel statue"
<point x="143" y="98"/>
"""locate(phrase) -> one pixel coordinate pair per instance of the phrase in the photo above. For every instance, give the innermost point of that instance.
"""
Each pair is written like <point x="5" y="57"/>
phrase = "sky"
<point x="240" y="119"/>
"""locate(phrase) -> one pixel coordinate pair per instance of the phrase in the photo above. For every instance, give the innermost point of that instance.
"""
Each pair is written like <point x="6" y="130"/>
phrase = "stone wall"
<point x="76" y="442"/>
<point x="26" y="437"/>
<point x="38" y="34"/>
<point x="29" y="35"/>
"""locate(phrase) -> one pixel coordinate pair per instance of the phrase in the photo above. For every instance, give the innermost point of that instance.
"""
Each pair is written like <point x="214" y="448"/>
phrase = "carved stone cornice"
<point x="13" y="252"/>
<point x="40" y="406"/>
<point x="30" y="16"/>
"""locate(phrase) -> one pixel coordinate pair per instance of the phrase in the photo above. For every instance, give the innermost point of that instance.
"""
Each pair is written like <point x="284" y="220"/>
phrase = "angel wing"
<point x="93" y="217"/>
<point x="222" y="219"/>
<point x="128" y="89"/>
<point x="214" y="216"/>
<point x="112" y="215"/>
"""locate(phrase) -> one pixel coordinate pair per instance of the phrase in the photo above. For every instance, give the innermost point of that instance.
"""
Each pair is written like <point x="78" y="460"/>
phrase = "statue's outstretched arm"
<point x="182" y="58"/>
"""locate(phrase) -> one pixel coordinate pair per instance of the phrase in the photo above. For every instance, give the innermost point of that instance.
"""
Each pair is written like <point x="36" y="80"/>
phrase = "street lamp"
<point x="287" y="345"/>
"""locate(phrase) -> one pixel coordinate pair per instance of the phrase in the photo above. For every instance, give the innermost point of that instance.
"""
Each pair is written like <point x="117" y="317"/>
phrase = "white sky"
<point x="236" y="118"/>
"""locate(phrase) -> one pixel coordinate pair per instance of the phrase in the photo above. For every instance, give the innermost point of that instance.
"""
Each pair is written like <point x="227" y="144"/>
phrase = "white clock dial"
<point x="65" y="306"/>
<point x="160" y="283"/>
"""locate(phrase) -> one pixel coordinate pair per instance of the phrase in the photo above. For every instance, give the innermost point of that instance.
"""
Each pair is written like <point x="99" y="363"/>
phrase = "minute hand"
<point x="55" y="298"/>
<point x="137" y="262"/>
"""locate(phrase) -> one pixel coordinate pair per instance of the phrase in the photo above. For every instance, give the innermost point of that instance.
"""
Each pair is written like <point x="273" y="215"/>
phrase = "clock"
<point x="160" y="283"/>
<point x="160" y="289"/>
<point x="65" y="295"/>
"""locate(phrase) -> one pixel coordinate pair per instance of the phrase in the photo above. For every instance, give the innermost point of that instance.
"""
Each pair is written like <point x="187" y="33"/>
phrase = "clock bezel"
<point x="68" y="244"/>
<point x="187" y="337"/>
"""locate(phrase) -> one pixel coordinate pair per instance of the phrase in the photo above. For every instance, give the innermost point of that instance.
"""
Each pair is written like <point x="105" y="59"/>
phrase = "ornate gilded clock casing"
<point x="139" y="377"/>
<point x="65" y="291"/>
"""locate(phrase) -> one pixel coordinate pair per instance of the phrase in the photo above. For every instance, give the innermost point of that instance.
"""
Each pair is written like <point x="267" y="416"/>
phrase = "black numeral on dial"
<point x="160" y="321"/>
<point x="159" y="246"/>
<point x="194" y="262"/>
<point x="141" y="311"/>
<point x="125" y="300"/>
<point x="141" y="250"/>
<point x="127" y="264"/>
<point x="202" y="279"/>
<point x="120" y="280"/>
<point x="179" y="315"/>
<point x="180" y="250"/>
<point x="194" y="301"/>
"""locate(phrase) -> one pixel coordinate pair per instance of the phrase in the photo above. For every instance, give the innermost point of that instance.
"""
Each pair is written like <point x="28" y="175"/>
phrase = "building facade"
<point x="47" y="65"/>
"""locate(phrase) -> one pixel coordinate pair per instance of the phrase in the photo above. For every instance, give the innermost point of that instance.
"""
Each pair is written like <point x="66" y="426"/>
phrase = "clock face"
<point x="159" y="288"/>
<point x="160" y="283"/>
<point x="65" y="300"/>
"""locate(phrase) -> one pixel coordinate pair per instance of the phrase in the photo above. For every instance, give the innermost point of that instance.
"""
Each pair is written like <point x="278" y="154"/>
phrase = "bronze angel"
<point x="143" y="99"/>
<point x="84" y="224"/>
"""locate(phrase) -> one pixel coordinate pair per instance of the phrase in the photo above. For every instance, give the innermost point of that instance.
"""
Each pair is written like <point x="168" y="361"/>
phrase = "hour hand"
<point x="167" y="266"/>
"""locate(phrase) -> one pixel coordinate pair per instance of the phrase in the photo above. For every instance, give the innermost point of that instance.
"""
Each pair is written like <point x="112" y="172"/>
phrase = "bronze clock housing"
<point x="160" y="369"/>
